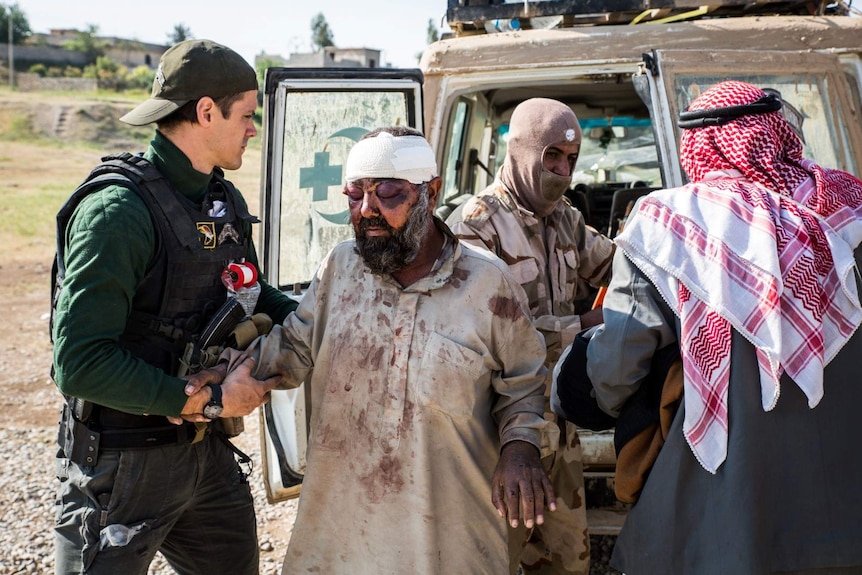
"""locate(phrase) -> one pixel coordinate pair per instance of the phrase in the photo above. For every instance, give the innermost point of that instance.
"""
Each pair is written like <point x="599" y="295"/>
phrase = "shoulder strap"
<point x="479" y="209"/>
<point x="125" y="170"/>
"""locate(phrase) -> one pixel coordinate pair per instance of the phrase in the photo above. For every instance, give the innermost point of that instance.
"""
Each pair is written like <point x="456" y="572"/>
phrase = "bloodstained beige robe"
<point x="413" y="392"/>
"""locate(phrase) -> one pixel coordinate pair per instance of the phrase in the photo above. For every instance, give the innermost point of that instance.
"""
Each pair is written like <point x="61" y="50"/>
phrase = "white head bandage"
<point x="386" y="156"/>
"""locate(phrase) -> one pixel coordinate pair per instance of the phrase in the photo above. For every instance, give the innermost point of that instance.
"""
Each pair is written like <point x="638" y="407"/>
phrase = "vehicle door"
<point x="311" y="119"/>
<point x="815" y="84"/>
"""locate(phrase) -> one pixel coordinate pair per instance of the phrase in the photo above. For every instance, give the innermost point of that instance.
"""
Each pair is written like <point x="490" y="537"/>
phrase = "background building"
<point x="328" y="57"/>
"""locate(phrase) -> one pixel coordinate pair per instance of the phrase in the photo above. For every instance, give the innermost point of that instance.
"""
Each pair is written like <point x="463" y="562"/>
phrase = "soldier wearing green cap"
<point x="142" y="247"/>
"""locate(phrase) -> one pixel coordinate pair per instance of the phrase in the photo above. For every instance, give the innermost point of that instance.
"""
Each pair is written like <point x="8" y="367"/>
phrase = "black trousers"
<point x="188" y="501"/>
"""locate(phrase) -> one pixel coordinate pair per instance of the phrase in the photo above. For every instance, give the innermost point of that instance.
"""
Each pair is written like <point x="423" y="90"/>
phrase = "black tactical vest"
<point x="182" y="287"/>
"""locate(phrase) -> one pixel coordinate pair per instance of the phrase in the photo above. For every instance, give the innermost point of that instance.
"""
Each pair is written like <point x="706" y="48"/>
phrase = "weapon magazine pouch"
<point x="233" y="426"/>
<point x="247" y="331"/>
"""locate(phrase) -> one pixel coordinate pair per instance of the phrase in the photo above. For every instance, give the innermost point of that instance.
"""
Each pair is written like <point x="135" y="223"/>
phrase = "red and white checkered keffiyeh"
<point x="761" y="242"/>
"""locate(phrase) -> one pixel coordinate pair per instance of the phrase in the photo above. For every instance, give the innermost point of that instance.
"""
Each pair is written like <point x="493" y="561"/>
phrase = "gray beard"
<point x="384" y="255"/>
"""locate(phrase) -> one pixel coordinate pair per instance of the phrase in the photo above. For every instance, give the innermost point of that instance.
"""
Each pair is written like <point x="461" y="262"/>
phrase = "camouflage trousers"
<point x="561" y="545"/>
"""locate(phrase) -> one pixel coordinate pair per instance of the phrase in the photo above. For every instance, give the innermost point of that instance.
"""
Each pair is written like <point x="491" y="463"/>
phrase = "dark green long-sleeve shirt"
<point x="110" y="242"/>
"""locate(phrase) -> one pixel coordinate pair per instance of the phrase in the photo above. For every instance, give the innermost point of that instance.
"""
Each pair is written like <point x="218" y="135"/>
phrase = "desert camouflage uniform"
<point x="555" y="259"/>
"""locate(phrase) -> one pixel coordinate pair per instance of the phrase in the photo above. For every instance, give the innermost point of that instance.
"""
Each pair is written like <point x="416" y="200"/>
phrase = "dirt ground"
<point x="36" y="175"/>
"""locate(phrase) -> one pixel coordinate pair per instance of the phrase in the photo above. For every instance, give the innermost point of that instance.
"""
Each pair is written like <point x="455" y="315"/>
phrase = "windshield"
<point x="618" y="149"/>
<point x="823" y="130"/>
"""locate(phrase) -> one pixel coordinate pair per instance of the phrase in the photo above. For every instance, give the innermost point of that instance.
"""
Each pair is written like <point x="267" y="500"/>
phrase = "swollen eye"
<point x="354" y="193"/>
<point x="387" y="190"/>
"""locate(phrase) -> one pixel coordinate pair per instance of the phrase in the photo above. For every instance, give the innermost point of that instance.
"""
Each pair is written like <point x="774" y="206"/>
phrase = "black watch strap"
<point x="213" y="408"/>
<point x="215" y="390"/>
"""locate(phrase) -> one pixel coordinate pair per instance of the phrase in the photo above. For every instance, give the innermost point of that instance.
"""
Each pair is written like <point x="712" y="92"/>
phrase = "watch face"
<point x="212" y="411"/>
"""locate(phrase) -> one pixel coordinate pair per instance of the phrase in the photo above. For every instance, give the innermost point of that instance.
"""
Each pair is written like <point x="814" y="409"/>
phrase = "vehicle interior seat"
<point x="578" y="197"/>
<point x="621" y="205"/>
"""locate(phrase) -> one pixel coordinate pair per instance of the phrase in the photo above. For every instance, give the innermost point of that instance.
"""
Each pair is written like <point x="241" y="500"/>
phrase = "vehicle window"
<point x="823" y="128"/>
<point x="617" y="149"/>
<point x="452" y="176"/>
<point x="852" y="67"/>
<point x="502" y="146"/>
<point x="318" y="130"/>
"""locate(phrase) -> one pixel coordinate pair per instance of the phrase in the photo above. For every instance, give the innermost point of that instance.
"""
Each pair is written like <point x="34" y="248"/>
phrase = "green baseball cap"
<point x="191" y="70"/>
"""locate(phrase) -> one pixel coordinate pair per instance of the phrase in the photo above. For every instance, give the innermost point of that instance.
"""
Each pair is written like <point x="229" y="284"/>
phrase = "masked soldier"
<point x="524" y="218"/>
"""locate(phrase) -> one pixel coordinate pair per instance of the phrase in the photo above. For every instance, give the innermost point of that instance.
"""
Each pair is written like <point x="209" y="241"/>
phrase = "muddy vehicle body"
<point x="625" y="72"/>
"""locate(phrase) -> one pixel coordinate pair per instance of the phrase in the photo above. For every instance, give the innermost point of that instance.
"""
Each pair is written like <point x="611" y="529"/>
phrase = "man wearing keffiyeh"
<point x="750" y="269"/>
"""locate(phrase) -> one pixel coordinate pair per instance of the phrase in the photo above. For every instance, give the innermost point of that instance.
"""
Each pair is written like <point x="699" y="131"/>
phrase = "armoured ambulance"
<point x="626" y="67"/>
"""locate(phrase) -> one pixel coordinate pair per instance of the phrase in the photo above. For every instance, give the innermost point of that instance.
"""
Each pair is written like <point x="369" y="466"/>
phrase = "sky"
<point x="396" y="27"/>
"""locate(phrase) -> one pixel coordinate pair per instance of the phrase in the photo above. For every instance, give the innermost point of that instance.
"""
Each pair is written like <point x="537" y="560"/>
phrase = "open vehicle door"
<point x="814" y="84"/>
<point x="312" y="117"/>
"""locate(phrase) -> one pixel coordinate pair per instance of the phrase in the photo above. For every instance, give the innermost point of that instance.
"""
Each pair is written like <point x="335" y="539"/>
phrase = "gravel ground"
<point x="601" y="547"/>
<point x="27" y="505"/>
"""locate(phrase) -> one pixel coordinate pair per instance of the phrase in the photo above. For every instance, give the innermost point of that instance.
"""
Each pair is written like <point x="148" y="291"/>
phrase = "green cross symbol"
<point x="320" y="177"/>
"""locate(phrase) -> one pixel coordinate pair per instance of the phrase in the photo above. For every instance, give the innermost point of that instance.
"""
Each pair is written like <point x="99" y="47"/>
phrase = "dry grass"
<point x="38" y="172"/>
<point x="37" y="178"/>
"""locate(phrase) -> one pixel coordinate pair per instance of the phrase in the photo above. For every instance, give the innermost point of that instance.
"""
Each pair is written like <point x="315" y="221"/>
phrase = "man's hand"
<point x="198" y="394"/>
<point x="241" y="393"/>
<point x="193" y="410"/>
<point x="520" y="485"/>
<point x="214" y="375"/>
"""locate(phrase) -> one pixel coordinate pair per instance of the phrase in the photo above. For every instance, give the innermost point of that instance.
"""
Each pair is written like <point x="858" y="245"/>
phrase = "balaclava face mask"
<point x="536" y="124"/>
<point x="554" y="186"/>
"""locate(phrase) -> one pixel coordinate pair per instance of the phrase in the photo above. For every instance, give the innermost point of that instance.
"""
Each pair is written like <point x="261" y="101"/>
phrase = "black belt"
<point x="81" y="442"/>
<point x="108" y="418"/>
<point x="146" y="437"/>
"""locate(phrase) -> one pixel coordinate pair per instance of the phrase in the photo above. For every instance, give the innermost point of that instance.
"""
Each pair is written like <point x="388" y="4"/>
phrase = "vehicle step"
<point x="605" y="521"/>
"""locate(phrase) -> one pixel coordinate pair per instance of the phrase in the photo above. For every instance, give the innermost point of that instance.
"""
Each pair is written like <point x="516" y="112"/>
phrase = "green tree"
<point x="108" y="73"/>
<point x="432" y="34"/>
<point x="39" y="69"/>
<point x="180" y="33"/>
<point x="88" y="43"/>
<point x="20" y="26"/>
<point x="260" y="66"/>
<point x="321" y="35"/>
<point x="141" y="78"/>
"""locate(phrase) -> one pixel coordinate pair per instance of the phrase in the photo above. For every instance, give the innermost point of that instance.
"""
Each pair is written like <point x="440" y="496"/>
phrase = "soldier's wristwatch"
<point x="214" y="407"/>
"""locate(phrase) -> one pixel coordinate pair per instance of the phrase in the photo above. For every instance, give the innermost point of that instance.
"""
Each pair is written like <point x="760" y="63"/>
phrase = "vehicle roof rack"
<point x="467" y="17"/>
